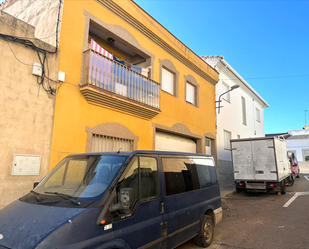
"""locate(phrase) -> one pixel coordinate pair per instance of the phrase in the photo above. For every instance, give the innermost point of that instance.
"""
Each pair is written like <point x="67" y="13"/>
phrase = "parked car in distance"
<point x="294" y="165"/>
<point x="139" y="199"/>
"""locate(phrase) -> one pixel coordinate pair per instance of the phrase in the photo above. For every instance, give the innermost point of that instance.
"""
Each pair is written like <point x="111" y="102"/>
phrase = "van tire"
<point x="205" y="236"/>
<point x="298" y="175"/>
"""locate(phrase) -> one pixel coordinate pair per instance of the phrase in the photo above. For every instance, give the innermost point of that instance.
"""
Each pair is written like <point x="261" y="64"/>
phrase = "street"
<point x="264" y="220"/>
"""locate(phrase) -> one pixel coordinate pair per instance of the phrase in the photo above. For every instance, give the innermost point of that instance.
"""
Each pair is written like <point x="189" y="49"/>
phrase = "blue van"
<point x="139" y="199"/>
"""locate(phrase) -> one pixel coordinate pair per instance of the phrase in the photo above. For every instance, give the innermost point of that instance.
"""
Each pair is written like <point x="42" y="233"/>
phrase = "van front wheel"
<point x="205" y="236"/>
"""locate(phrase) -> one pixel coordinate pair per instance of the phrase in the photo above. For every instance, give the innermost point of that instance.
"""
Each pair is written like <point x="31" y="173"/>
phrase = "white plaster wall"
<point x="230" y="117"/>
<point x="41" y="14"/>
<point x="298" y="146"/>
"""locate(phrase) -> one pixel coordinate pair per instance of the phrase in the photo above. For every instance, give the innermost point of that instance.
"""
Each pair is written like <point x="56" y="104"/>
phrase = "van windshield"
<point x="85" y="177"/>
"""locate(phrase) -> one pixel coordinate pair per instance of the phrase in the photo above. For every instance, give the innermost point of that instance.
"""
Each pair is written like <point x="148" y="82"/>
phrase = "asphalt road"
<point x="264" y="220"/>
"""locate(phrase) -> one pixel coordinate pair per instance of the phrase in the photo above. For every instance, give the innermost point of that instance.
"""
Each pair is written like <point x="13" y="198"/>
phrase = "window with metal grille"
<point x="107" y="143"/>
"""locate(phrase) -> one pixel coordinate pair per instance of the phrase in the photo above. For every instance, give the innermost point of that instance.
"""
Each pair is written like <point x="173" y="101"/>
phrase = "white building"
<point x="240" y="115"/>
<point x="297" y="141"/>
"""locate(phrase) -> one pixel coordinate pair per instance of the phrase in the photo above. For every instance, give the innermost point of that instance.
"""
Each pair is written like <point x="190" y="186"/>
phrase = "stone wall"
<point x="225" y="174"/>
<point x="26" y="110"/>
<point x="43" y="15"/>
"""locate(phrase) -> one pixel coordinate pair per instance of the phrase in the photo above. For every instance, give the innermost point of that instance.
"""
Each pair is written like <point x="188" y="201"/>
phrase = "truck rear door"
<point x="242" y="160"/>
<point x="264" y="160"/>
<point x="254" y="160"/>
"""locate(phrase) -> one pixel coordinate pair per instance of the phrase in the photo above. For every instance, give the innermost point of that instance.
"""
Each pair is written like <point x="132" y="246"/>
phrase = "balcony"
<point x="110" y="84"/>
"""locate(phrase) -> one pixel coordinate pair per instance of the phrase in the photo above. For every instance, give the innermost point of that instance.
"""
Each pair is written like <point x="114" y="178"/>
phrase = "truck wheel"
<point x="205" y="236"/>
<point x="238" y="190"/>
<point x="292" y="179"/>
<point x="283" y="187"/>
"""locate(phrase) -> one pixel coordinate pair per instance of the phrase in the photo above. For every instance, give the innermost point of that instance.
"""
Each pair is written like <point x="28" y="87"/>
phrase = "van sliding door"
<point x="191" y="185"/>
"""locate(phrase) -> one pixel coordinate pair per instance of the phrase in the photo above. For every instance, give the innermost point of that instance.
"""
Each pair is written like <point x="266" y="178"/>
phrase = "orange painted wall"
<point x="72" y="112"/>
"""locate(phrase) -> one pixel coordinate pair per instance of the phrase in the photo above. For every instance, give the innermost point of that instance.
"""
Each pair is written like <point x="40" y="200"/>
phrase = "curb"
<point x="226" y="195"/>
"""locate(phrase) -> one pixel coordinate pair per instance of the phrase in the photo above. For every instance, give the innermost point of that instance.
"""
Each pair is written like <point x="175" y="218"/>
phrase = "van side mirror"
<point x="125" y="196"/>
<point x="35" y="184"/>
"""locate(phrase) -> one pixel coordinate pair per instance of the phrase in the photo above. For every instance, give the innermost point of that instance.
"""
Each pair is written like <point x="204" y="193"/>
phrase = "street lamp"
<point x="219" y="101"/>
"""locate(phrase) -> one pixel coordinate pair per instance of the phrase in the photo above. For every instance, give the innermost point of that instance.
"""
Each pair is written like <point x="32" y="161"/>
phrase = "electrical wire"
<point x="16" y="56"/>
<point x="41" y="53"/>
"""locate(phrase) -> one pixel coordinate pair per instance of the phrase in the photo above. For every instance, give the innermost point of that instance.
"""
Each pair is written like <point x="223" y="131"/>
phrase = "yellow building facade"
<point x="129" y="84"/>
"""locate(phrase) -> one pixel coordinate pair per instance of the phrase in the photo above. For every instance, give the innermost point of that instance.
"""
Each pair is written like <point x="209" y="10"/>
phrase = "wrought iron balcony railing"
<point x="109" y="77"/>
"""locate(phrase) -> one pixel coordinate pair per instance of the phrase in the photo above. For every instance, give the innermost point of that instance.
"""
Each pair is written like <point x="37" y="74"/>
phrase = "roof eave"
<point x="244" y="82"/>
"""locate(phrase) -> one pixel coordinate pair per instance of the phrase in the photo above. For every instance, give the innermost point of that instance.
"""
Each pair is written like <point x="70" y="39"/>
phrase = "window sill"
<point x="191" y="104"/>
<point x="168" y="93"/>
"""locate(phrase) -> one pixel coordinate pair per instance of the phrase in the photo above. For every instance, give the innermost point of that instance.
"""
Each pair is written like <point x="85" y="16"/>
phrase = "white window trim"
<point x="189" y="79"/>
<point x="257" y="115"/>
<point x="168" y="85"/>
<point x="244" y="111"/>
<point x="227" y="96"/>
<point x="227" y="145"/>
<point x="169" y="66"/>
<point x="190" y="93"/>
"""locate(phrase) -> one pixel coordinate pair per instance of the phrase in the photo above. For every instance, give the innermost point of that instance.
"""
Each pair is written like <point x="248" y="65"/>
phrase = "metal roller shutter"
<point x="170" y="142"/>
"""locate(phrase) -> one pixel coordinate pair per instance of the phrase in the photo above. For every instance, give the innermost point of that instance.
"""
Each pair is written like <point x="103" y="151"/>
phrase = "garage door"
<point x="171" y="142"/>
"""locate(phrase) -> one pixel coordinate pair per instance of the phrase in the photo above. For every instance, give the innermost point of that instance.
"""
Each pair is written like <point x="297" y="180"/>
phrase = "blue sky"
<point x="266" y="42"/>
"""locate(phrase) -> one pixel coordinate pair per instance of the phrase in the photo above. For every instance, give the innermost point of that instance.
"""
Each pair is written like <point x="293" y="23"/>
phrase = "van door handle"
<point x="162" y="207"/>
<point x="164" y="228"/>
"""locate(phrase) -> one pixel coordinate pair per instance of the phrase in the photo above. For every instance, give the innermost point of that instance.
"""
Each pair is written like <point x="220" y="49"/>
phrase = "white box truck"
<point x="261" y="164"/>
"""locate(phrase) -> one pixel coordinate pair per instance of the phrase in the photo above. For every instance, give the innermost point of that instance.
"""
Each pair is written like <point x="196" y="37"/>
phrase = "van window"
<point x="188" y="174"/>
<point x="142" y="177"/>
<point x="180" y="175"/>
<point x="83" y="177"/>
<point x="206" y="171"/>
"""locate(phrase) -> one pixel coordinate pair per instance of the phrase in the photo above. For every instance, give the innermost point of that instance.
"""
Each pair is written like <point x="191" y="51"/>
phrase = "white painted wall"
<point x="299" y="143"/>
<point x="42" y="15"/>
<point x="230" y="117"/>
<point x="298" y="146"/>
<point x="301" y="147"/>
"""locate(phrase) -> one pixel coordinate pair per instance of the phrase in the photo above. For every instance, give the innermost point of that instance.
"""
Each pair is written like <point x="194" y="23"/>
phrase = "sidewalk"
<point x="227" y="191"/>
